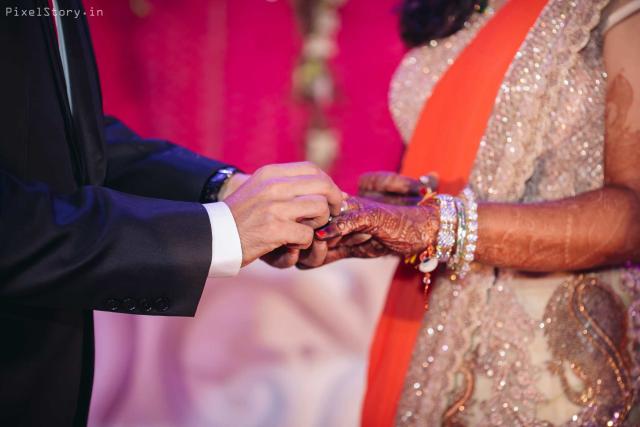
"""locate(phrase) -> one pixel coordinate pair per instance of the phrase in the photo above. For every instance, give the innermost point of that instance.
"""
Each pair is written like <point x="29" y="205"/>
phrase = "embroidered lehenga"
<point x="502" y="347"/>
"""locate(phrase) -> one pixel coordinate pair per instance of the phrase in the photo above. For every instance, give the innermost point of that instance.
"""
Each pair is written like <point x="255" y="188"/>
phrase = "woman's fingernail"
<point x="321" y="234"/>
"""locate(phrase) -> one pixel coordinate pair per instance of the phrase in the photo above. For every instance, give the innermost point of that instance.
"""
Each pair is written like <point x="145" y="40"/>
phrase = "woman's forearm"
<point x="595" y="229"/>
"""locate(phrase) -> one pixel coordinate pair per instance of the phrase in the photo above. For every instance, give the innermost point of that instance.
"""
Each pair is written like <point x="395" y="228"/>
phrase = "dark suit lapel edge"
<point x="61" y="89"/>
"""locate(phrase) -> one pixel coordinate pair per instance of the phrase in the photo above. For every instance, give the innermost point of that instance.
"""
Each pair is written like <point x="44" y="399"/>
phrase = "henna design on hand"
<point x="622" y="159"/>
<point x="395" y="189"/>
<point x="369" y="249"/>
<point x="401" y="230"/>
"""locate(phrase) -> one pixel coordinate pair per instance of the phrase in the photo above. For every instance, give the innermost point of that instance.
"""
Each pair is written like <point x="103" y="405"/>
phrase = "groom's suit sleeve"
<point x="157" y="168"/>
<point x="101" y="249"/>
<point x="154" y="168"/>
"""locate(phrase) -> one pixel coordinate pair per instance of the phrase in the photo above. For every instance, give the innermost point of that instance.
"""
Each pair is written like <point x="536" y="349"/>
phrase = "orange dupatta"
<point x="445" y="140"/>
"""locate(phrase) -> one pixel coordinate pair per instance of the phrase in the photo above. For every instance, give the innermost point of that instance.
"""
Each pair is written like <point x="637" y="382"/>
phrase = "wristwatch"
<point x="214" y="184"/>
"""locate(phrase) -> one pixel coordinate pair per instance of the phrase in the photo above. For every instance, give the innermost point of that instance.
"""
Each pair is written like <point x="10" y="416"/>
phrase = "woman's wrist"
<point x="456" y="233"/>
<point x="431" y="225"/>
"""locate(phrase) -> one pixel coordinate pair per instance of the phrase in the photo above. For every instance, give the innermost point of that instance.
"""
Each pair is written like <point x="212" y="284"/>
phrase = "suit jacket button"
<point x="145" y="305"/>
<point x="112" y="304"/>
<point x="161" y="304"/>
<point x="129" y="304"/>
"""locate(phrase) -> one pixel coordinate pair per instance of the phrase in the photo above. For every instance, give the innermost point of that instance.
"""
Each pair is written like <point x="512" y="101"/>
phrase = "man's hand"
<point x="232" y="185"/>
<point x="279" y="206"/>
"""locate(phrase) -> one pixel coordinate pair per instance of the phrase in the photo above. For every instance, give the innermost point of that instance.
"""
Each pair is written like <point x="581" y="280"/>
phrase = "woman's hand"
<point x="395" y="229"/>
<point x="392" y="188"/>
<point x="356" y="245"/>
<point x="353" y="241"/>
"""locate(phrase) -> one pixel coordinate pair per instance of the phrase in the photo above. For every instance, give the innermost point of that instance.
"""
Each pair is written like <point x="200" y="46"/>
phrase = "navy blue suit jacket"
<point x="92" y="217"/>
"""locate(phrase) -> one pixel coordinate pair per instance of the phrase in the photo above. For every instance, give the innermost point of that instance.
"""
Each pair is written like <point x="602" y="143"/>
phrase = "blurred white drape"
<point x="269" y="348"/>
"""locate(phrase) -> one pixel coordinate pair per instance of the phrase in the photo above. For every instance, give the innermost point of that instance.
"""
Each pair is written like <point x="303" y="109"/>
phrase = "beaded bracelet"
<point x="447" y="231"/>
<point x="468" y="249"/>
<point x="461" y="235"/>
<point x="459" y="229"/>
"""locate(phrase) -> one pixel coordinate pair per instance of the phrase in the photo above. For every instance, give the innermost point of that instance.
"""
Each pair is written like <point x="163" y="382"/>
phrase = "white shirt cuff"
<point x="226" y="250"/>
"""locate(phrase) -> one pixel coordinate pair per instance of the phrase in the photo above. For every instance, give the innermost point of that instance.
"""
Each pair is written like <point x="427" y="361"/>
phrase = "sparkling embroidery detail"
<point x="454" y="415"/>
<point x="545" y="137"/>
<point x="442" y="350"/>
<point x="631" y="281"/>
<point x="421" y="69"/>
<point x="586" y="334"/>
<point x="503" y="359"/>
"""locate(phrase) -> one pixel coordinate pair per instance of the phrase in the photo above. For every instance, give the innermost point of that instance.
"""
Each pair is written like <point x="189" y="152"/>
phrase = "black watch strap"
<point x="214" y="184"/>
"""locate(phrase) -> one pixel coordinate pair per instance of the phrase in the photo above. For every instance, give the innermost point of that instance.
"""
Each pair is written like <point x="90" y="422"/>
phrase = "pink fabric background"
<point x="215" y="76"/>
<point x="268" y="348"/>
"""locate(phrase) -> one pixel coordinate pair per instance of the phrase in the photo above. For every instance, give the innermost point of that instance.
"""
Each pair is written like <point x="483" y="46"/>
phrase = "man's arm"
<point x="101" y="249"/>
<point x="160" y="169"/>
<point x="105" y="250"/>
<point x="154" y="168"/>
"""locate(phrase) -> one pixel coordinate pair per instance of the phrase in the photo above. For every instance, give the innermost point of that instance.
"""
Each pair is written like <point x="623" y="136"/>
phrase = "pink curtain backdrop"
<point x="215" y="76"/>
<point x="268" y="348"/>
